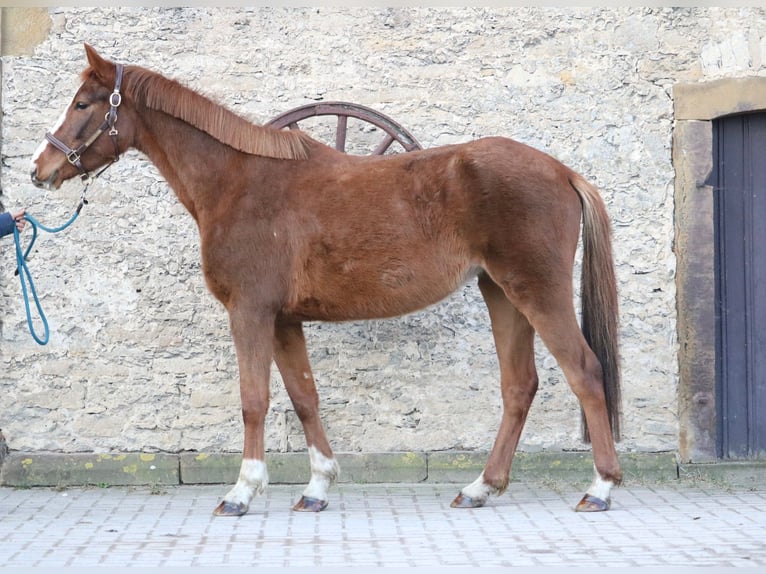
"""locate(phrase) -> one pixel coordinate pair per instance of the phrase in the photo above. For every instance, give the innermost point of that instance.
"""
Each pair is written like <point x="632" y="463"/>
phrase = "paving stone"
<point x="388" y="525"/>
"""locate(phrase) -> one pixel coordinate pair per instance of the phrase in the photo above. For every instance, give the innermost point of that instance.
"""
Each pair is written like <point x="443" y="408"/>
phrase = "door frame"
<point x="695" y="106"/>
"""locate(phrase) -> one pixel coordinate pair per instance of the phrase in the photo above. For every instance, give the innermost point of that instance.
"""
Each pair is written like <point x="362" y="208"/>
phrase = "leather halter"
<point x="110" y="119"/>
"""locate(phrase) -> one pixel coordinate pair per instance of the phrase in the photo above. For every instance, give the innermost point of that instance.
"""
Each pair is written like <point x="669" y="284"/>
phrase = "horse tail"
<point x="598" y="297"/>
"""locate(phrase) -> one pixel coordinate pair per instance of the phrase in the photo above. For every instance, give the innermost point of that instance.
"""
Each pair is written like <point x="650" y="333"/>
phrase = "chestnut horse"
<point x="292" y="230"/>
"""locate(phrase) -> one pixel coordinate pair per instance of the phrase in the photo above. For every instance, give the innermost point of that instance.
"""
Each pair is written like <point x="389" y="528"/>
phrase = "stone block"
<point x="459" y="467"/>
<point x="382" y="467"/>
<point x="75" y="469"/>
<point x="208" y="468"/>
<point x="726" y="474"/>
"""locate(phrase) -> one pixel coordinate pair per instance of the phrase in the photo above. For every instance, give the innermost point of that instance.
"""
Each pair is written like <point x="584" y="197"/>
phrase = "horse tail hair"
<point x="598" y="297"/>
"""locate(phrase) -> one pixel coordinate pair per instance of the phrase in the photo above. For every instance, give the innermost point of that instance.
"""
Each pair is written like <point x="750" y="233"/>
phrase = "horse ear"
<point x="101" y="67"/>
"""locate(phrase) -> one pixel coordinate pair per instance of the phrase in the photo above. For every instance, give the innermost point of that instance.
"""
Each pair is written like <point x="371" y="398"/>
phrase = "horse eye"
<point x="80" y="106"/>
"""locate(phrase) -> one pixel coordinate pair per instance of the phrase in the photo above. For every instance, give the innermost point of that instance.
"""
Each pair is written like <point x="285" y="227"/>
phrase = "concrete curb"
<point x="25" y="470"/>
<point x="3" y="449"/>
<point x="750" y="475"/>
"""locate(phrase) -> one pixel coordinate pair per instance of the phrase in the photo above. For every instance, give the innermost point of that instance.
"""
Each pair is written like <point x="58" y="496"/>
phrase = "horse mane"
<point x="155" y="91"/>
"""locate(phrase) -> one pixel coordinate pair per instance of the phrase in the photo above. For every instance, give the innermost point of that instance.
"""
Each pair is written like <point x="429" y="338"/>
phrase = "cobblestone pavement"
<point x="383" y="525"/>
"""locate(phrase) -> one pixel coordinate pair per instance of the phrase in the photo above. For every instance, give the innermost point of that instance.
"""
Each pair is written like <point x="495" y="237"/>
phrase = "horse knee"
<point x="254" y="413"/>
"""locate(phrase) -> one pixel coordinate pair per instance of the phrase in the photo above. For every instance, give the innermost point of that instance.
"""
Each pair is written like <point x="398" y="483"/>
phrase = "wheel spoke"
<point x="384" y="145"/>
<point x="340" y="133"/>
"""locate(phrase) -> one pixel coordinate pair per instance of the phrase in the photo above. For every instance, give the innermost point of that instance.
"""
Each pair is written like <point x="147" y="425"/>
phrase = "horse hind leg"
<point x="556" y="323"/>
<point x="292" y="360"/>
<point x="514" y="342"/>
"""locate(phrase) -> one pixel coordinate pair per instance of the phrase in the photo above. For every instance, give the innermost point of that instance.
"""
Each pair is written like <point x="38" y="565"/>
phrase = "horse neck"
<point x="190" y="160"/>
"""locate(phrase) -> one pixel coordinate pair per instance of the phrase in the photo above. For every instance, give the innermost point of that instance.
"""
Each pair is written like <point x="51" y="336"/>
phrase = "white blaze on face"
<point x="41" y="148"/>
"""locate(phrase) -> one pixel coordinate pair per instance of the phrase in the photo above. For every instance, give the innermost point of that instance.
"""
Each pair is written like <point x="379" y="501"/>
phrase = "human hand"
<point x="18" y="217"/>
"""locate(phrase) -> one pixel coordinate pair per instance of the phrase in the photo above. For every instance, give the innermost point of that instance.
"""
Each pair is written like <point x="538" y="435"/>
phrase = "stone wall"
<point x="140" y="357"/>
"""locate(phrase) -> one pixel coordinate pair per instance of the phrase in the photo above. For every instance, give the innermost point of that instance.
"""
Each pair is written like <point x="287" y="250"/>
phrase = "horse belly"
<point x="369" y="288"/>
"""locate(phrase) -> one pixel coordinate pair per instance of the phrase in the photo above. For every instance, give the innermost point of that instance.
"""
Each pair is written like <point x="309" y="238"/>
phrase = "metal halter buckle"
<point x="73" y="157"/>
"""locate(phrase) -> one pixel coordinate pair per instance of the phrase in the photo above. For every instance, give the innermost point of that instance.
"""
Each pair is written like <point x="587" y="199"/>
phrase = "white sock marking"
<point x="478" y="490"/>
<point x="324" y="472"/>
<point x="600" y="488"/>
<point x="253" y="479"/>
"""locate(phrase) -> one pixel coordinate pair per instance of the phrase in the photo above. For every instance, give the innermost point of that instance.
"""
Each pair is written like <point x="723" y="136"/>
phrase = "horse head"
<point x="87" y="135"/>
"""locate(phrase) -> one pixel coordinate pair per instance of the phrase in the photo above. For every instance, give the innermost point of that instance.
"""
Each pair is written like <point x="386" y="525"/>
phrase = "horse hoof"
<point x="230" y="509"/>
<point x="463" y="501"/>
<point x="592" y="504"/>
<point x="306" y="504"/>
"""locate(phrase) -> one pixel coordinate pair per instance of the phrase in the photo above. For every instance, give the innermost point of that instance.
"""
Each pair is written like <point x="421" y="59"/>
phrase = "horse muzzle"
<point x="49" y="183"/>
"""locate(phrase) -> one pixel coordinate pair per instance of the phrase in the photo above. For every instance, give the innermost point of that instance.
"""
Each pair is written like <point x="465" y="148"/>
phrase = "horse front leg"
<point x="253" y="340"/>
<point x="292" y="360"/>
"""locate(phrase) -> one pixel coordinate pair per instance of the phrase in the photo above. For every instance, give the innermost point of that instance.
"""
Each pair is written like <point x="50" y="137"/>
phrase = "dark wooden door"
<point x="739" y="180"/>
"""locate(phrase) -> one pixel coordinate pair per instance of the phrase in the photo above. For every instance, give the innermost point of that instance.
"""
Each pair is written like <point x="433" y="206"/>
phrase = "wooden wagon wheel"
<point x="393" y="131"/>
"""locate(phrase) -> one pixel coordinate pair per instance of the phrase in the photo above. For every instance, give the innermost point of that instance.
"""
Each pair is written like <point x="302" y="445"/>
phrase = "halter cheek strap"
<point x="74" y="156"/>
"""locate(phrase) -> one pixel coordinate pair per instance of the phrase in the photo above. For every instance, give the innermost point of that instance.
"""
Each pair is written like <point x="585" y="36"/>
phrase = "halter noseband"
<point x="110" y="119"/>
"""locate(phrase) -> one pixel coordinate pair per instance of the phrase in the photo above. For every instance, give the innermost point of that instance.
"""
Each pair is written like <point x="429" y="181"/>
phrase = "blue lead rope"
<point x="22" y="269"/>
